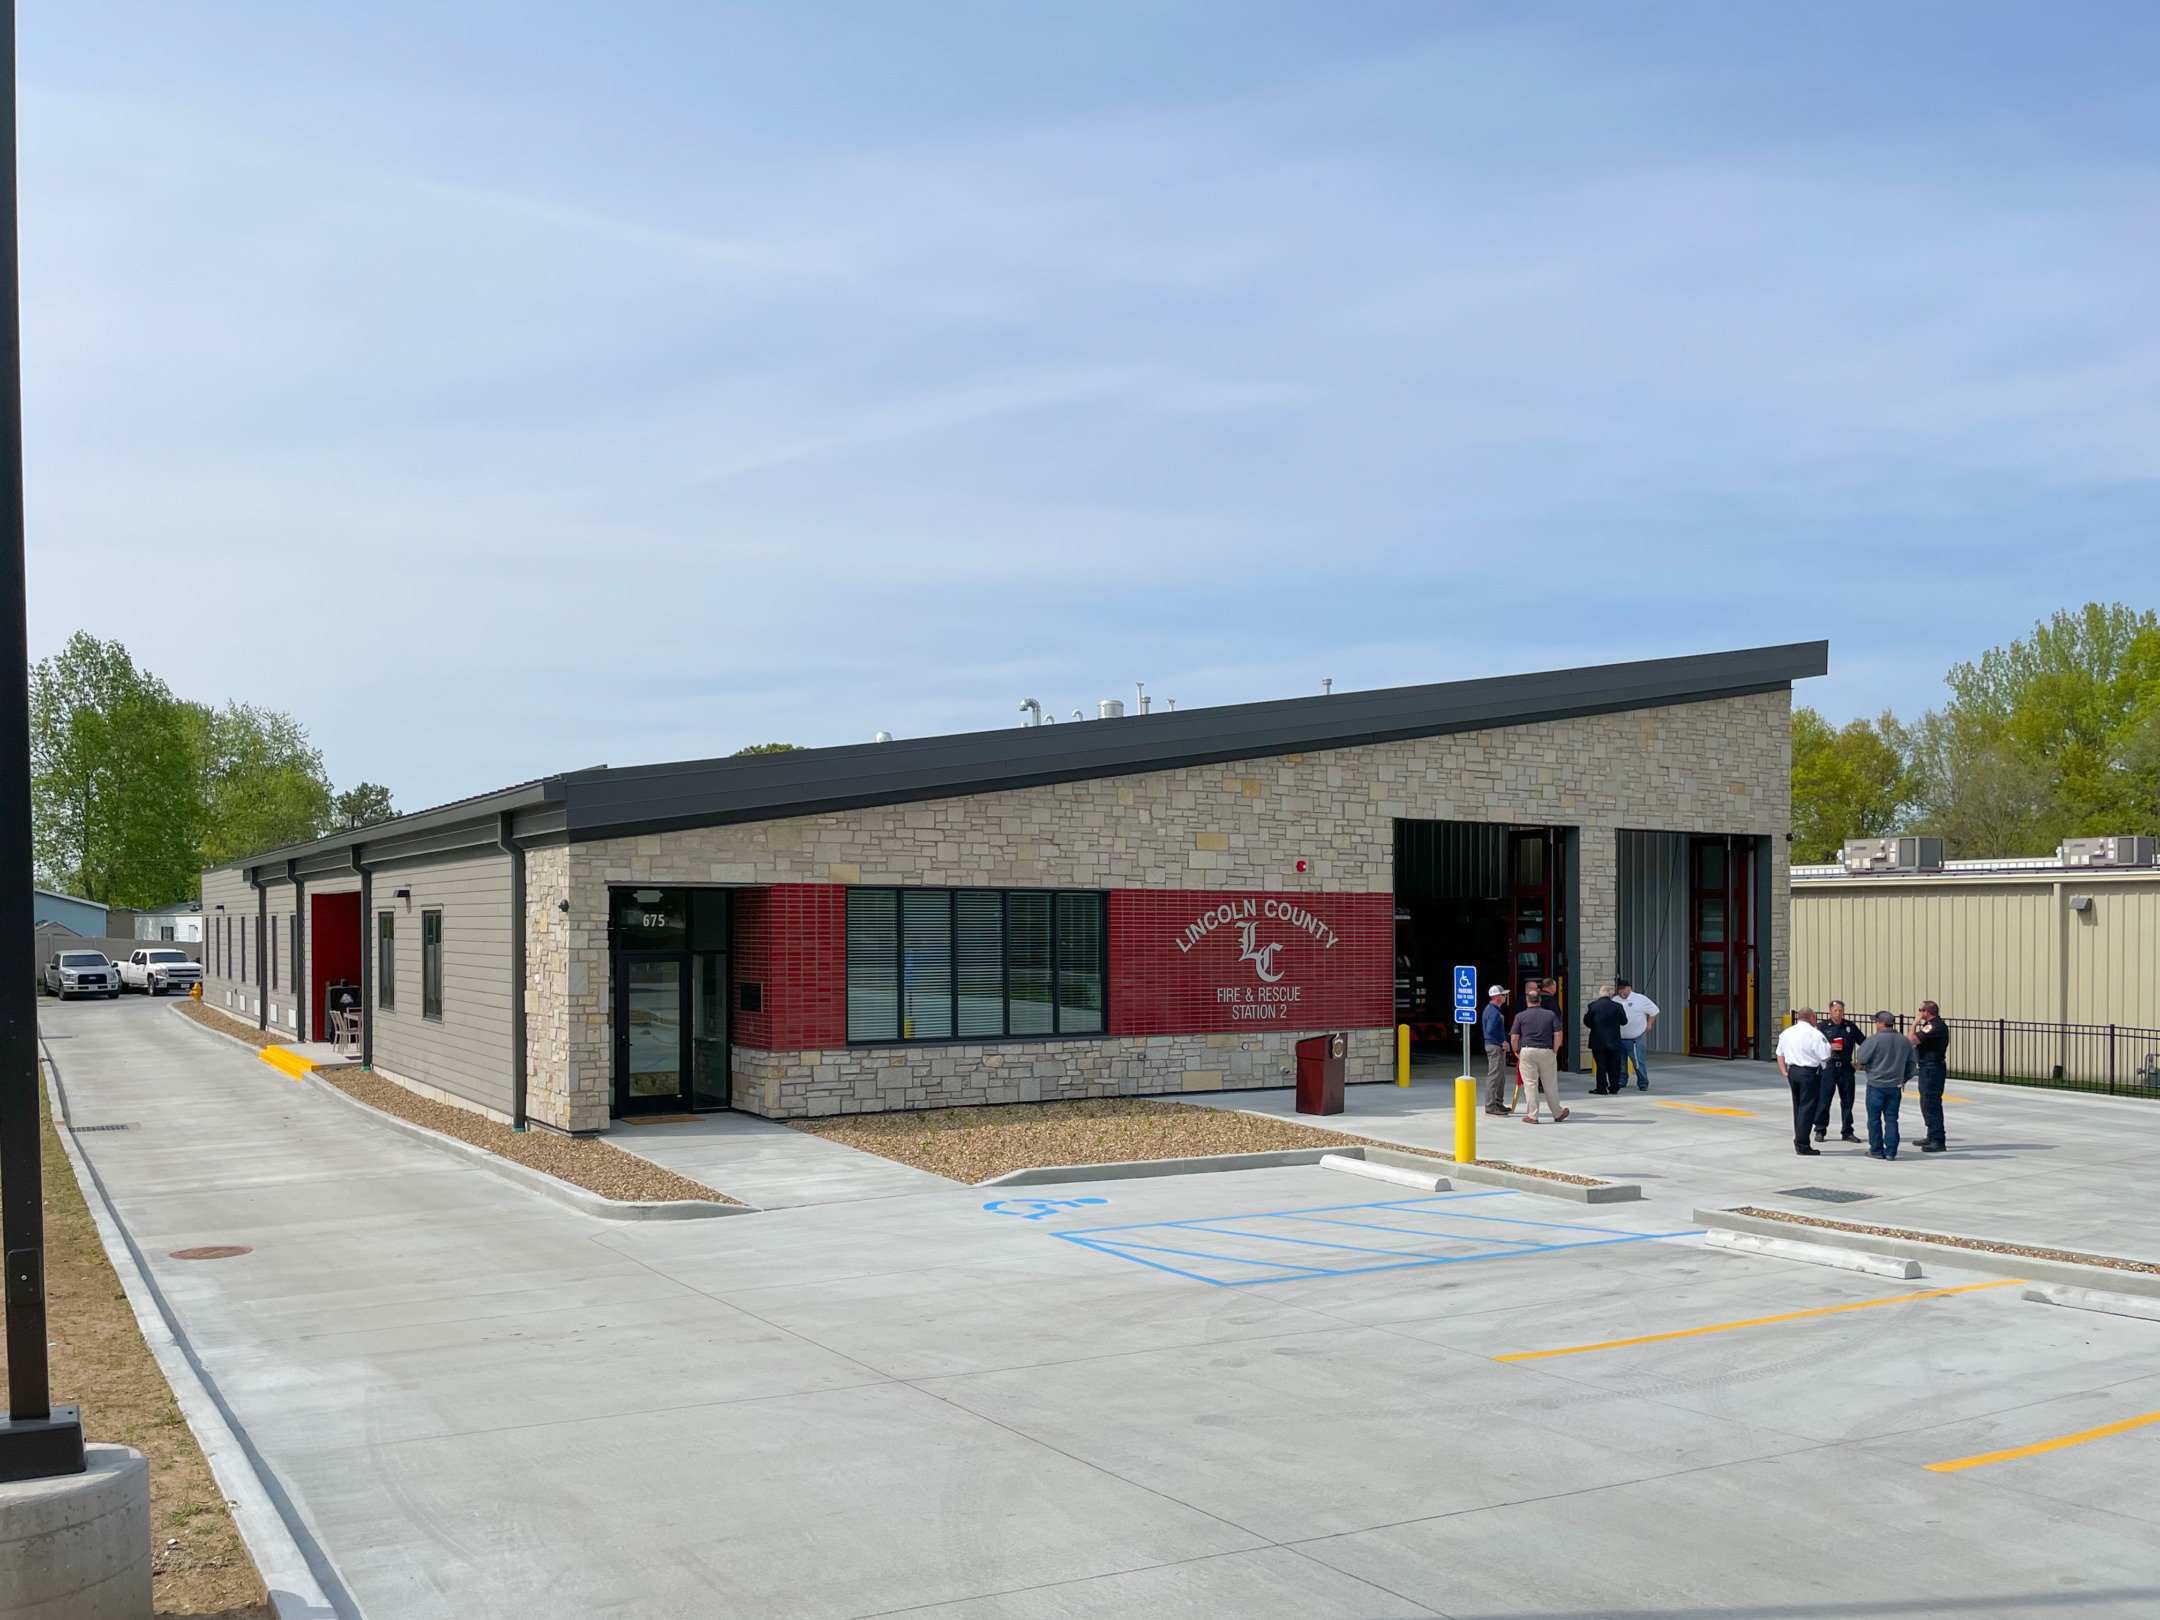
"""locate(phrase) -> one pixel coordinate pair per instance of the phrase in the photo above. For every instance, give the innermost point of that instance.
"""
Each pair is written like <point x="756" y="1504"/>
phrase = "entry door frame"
<point x="1736" y="952"/>
<point x="625" y="1102"/>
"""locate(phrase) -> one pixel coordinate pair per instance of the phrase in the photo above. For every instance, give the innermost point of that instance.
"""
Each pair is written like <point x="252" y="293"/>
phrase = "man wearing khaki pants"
<point x="1492" y="1025"/>
<point x="1535" y="1039"/>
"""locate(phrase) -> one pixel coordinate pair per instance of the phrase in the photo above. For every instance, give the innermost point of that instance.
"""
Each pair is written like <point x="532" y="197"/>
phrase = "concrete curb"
<point x="249" y="1047"/>
<point x="1814" y="1254"/>
<point x="1612" y="1192"/>
<point x="1130" y="1169"/>
<point x="300" y="1579"/>
<point x="1605" y="1192"/>
<point x="1393" y="1174"/>
<point x="539" y="1181"/>
<point x="2088" y="1299"/>
<point x="2102" y="1279"/>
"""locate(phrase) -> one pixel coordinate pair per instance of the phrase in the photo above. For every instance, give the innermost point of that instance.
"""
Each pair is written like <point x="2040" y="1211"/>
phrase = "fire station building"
<point x="1145" y="905"/>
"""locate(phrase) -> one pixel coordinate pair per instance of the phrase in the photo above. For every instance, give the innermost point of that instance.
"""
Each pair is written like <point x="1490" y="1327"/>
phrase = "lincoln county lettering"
<point x="1233" y="911"/>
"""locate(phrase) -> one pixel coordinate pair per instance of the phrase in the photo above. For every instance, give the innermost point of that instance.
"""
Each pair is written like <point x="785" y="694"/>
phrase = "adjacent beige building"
<point x="2022" y="940"/>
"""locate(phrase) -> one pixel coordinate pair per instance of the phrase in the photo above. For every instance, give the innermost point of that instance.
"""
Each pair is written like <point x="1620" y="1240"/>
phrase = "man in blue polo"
<point x="1492" y="1026"/>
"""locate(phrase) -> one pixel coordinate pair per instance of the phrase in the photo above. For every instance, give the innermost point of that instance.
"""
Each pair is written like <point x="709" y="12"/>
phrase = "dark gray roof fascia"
<point x="769" y="787"/>
<point x="466" y="822"/>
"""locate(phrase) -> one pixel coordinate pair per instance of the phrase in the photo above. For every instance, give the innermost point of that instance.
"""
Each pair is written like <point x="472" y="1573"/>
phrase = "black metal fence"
<point x="2116" y="1059"/>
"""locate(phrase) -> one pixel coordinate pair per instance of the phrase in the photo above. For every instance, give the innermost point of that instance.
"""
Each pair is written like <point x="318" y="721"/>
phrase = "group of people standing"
<point x="1821" y="1055"/>
<point x="1619" y="1021"/>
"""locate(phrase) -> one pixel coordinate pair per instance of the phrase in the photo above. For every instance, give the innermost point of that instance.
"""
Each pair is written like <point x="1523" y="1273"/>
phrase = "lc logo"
<point x="1262" y="957"/>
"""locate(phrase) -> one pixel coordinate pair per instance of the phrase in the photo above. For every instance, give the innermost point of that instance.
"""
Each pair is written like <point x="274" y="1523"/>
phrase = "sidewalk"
<point x="2050" y="1168"/>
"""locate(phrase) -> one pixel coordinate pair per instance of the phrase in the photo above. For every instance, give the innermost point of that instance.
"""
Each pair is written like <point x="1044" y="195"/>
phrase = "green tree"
<point x="1847" y="782"/>
<point x="767" y="748"/>
<point x="115" y="778"/>
<point x="2070" y="704"/>
<point x="362" y="806"/>
<point x="263" y="784"/>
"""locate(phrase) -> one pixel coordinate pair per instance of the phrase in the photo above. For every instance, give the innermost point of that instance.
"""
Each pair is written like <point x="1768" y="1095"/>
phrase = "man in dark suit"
<point x="1603" y="1018"/>
<point x="1844" y="1037"/>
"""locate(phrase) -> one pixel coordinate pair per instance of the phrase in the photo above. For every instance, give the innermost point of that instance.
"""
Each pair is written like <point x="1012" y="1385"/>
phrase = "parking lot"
<point x="1284" y="1392"/>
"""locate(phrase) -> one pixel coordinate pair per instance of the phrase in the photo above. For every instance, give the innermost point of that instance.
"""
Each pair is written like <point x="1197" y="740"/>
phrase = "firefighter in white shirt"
<point x="1802" y="1056"/>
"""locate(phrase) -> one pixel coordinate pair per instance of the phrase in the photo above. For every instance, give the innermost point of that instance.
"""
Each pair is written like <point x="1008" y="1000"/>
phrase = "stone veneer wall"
<point x="871" y="1079"/>
<point x="1718" y="767"/>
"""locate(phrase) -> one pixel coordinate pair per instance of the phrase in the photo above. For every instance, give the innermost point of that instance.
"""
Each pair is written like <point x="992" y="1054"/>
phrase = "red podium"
<point x="1320" y="1074"/>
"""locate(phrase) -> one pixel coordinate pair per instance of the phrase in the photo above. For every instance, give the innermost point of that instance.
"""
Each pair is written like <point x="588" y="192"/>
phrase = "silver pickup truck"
<point x="155" y="971"/>
<point x="81" y="973"/>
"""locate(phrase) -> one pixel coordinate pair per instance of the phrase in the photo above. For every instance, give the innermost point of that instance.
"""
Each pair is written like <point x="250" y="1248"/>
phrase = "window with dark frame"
<point x="386" y="960"/>
<point x="431" y="964"/>
<point x="975" y="964"/>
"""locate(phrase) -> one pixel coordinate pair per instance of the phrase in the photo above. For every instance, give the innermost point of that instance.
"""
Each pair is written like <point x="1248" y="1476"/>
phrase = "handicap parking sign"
<point x="1466" y="995"/>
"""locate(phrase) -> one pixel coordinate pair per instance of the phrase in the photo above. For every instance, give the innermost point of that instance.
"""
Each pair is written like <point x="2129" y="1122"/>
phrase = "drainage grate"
<point x="85" y="1130"/>
<point x="1826" y="1195"/>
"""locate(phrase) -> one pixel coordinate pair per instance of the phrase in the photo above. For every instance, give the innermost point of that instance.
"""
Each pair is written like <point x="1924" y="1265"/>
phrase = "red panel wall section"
<point x="791" y="941"/>
<point x="1186" y="961"/>
<point x="334" y="945"/>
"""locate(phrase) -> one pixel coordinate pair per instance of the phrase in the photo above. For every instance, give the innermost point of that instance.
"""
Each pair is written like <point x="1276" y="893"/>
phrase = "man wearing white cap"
<point x="1492" y="1025"/>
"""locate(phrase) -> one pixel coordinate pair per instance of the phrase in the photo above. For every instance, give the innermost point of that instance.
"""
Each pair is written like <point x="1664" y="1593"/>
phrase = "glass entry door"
<point x="652" y="1032"/>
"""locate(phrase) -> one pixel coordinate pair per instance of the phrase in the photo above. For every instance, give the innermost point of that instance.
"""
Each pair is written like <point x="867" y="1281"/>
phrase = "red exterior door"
<point x="1721" y="946"/>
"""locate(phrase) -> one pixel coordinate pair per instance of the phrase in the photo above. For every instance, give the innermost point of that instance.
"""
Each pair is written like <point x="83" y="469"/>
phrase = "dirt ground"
<point x="973" y="1144"/>
<point x="99" y="1362"/>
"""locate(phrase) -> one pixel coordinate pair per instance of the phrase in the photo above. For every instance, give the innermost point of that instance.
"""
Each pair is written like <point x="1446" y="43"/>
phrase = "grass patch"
<point x="226" y="1023"/>
<point x="974" y="1144"/>
<point x="99" y="1362"/>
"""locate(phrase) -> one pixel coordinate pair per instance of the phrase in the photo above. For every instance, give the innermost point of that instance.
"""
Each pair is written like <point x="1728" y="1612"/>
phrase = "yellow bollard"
<point x="1402" y="1054"/>
<point x="1466" y="1121"/>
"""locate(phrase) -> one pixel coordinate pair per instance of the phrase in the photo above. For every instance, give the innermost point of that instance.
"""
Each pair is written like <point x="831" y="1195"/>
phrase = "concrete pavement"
<point x="1267" y="1394"/>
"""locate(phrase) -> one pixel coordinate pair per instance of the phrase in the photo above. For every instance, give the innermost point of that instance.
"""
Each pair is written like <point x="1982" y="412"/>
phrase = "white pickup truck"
<point x="156" y="971"/>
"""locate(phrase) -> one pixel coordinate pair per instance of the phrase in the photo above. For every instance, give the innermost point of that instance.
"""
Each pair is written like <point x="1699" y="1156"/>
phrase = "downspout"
<point x="305" y="1005"/>
<point x="262" y="949"/>
<point x="515" y="851"/>
<point x="368" y="948"/>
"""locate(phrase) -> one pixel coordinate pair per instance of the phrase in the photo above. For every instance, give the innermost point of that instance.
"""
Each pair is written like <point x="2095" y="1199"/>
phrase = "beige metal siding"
<point x="467" y="1051"/>
<point x="2113" y="949"/>
<point x="1997" y="948"/>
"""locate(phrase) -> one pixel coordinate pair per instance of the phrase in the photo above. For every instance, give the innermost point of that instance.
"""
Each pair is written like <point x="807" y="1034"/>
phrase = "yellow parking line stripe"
<point x="2039" y="1446"/>
<point x="1915" y="1096"/>
<point x="1697" y="1108"/>
<point x="1757" y="1321"/>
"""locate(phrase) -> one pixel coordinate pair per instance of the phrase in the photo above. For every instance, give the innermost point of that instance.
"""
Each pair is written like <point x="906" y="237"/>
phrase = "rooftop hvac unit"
<point x="1892" y="855"/>
<point x="2123" y="851"/>
<point x="1110" y="709"/>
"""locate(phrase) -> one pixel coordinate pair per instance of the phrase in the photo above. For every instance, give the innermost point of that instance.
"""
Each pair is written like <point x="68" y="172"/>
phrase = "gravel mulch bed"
<point x="596" y="1166"/>
<point x="974" y="1144"/>
<point x="1542" y="1175"/>
<point x="226" y="1024"/>
<point x="2020" y="1250"/>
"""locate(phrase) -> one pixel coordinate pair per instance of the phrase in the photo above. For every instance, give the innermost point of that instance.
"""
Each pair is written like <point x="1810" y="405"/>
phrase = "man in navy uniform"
<point x="1844" y="1037"/>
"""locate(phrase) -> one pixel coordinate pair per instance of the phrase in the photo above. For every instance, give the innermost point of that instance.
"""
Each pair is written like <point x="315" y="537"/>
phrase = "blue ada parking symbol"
<point x="1466" y="995"/>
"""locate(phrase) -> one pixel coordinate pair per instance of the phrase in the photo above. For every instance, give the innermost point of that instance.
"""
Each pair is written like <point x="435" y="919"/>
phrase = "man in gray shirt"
<point x="1886" y="1058"/>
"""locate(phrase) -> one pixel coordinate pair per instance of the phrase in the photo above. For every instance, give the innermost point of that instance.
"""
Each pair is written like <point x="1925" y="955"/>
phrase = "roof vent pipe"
<point x="1077" y="715"/>
<point x="1110" y="709"/>
<point x="1170" y="704"/>
<point x="883" y="736"/>
<point x="1140" y="697"/>
<point x="1327" y="686"/>
<point x="1033" y="710"/>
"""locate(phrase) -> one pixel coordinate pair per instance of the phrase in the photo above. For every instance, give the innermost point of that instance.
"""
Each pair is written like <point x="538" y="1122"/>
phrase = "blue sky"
<point x="504" y="388"/>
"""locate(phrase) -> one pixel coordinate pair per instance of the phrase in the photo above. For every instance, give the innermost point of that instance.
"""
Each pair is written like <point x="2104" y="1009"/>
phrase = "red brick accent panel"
<point x="1186" y="962"/>
<point x="791" y="941"/>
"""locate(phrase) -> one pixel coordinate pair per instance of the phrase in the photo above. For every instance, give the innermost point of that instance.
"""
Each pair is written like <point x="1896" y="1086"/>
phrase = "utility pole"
<point x="37" y="1439"/>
